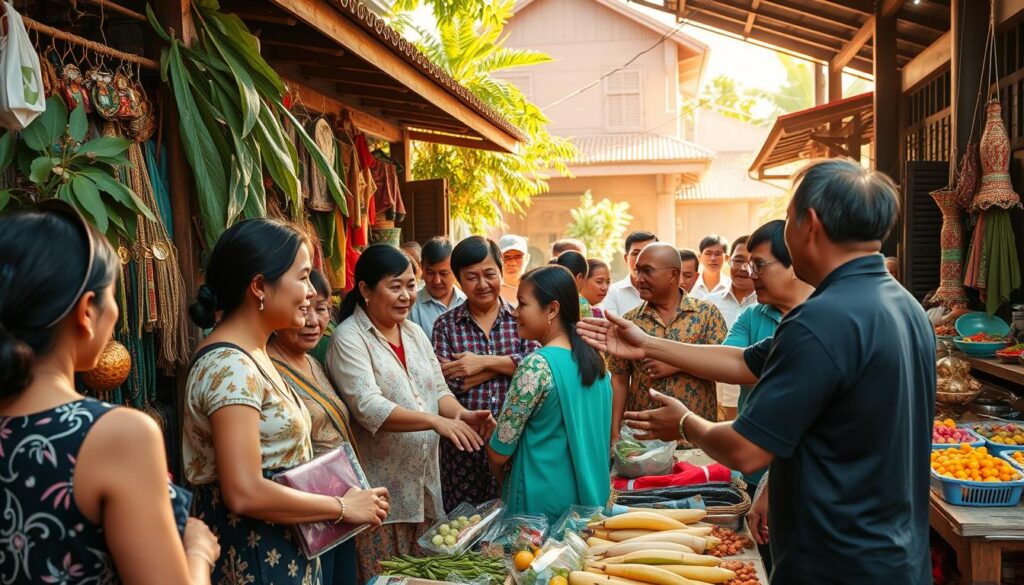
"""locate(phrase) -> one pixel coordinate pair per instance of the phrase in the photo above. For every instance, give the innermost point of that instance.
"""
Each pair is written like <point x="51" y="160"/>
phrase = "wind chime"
<point x="993" y="268"/>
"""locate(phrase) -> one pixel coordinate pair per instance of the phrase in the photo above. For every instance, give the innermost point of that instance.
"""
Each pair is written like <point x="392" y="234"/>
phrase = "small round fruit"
<point x="449" y="540"/>
<point x="463" y="519"/>
<point x="444" y="529"/>
<point x="522" y="560"/>
<point x="438" y="540"/>
<point x="474" y="518"/>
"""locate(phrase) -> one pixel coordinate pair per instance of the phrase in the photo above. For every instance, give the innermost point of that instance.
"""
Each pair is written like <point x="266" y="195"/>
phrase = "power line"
<point x="682" y="22"/>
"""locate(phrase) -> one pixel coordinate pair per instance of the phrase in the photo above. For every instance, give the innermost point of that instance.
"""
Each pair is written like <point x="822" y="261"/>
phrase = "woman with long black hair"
<point x="386" y="371"/>
<point x="243" y="423"/>
<point x="550" y="449"/>
<point x="85" y="482"/>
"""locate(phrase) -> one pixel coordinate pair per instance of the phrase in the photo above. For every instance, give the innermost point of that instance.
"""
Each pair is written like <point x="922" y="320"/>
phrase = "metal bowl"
<point x="993" y="408"/>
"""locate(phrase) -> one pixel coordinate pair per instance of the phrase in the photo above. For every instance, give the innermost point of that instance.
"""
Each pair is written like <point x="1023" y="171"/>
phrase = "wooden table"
<point x="979" y="536"/>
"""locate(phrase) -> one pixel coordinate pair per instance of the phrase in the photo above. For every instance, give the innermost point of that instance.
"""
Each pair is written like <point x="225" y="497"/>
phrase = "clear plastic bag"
<point x="461" y="528"/>
<point x="575" y="519"/>
<point x="456" y="578"/>
<point x="555" y="559"/>
<point x="513" y="534"/>
<point x="636" y="458"/>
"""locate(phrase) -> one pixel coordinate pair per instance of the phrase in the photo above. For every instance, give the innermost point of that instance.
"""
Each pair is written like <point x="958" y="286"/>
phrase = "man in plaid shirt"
<point x="479" y="348"/>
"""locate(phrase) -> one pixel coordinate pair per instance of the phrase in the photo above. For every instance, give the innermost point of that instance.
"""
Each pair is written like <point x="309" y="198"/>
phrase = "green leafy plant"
<point x="51" y="154"/>
<point x="600" y="225"/>
<point x="230" y="109"/>
<point x="467" y="43"/>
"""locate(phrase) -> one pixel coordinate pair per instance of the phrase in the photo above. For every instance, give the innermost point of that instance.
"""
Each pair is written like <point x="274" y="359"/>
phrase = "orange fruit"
<point x="522" y="560"/>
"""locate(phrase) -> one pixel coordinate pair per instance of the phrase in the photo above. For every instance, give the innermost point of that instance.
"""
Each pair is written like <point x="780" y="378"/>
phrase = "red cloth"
<point x="683" y="473"/>
<point x="351" y="257"/>
<point x="400" y="352"/>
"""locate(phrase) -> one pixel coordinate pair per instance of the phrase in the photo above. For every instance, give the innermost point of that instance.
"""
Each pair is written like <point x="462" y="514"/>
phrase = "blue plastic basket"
<point x="995" y="448"/>
<point x="977" y="494"/>
<point x="977" y="443"/>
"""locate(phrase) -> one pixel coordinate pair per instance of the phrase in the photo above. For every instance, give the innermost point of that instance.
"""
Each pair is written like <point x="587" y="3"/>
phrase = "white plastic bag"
<point x="21" y="81"/>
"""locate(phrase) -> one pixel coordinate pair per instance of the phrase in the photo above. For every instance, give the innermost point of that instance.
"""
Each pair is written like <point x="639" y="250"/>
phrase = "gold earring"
<point x="261" y="303"/>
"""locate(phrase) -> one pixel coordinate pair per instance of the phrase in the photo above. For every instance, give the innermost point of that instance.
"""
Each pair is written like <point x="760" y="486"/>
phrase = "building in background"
<point x="637" y="139"/>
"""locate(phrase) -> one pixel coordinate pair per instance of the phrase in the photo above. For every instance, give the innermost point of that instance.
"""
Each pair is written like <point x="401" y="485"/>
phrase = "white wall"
<point x="587" y="40"/>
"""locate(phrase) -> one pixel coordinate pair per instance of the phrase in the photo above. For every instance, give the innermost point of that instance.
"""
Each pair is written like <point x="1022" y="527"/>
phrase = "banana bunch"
<point x="652" y="547"/>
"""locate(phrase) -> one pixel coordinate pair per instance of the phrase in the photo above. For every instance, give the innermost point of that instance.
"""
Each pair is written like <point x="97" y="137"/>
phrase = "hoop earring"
<point x="261" y="303"/>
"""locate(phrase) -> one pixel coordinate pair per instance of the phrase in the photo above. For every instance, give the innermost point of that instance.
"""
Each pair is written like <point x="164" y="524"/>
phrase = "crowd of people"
<point x="459" y="376"/>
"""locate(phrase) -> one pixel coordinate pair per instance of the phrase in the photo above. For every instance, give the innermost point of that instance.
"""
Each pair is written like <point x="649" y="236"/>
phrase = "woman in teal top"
<point x="555" y="425"/>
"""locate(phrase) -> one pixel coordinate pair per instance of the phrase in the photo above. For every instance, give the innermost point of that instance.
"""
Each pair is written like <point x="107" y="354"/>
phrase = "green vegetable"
<point x="471" y="565"/>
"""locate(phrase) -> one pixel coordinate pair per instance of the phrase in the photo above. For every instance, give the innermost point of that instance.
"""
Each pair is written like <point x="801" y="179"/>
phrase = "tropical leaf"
<point x="89" y="200"/>
<point x="249" y="98"/>
<point x="78" y="124"/>
<point x="8" y="144"/>
<point x="5" y="198"/>
<point x="235" y="34"/>
<point x="105" y="146"/>
<point x="200" y="150"/>
<point x="118" y="190"/>
<point x="46" y="129"/>
<point x="41" y="169"/>
<point x="153" y="22"/>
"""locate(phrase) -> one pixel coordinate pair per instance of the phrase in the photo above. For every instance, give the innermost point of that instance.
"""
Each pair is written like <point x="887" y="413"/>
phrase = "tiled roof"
<point x="727" y="178"/>
<point x="597" y="149"/>
<point x="365" y="17"/>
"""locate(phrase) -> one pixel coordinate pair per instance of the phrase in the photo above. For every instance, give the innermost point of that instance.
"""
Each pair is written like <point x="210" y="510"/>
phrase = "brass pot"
<point x="111" y="370"/>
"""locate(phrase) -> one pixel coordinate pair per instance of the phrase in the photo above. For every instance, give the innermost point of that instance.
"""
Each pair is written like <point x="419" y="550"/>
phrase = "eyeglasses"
<point x="648" y="271"/>
<point x="756" y="267"/>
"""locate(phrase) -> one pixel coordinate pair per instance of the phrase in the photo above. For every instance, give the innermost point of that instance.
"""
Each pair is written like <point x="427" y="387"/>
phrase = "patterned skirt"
<point x="253" y="552"/>
<point x="465" y="477"/>
<point x="388" y="541"/>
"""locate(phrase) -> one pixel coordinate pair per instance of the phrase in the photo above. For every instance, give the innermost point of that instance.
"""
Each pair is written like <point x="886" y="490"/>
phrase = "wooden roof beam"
<point x="764" y="23"/>
<point x="335" y="26"/>
<point x="801" y="10"/>
<point x="315" y="100"/>
<point x="850" y="50"/>
<point x="754" y="5"/>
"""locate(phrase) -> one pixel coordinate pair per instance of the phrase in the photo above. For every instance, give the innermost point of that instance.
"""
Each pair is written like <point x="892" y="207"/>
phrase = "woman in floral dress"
<point x="85" y="492"/>
<point x="243" y="423"/>
<point x="550" y="449"/>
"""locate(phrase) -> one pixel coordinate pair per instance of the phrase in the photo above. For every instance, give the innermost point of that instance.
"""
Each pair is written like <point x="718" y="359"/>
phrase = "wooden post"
<point x="835" y="93"/>
<point x="886" y="100"/>
<point x="819" y="84"/>
<point x="887" y="96"/>
<point x="177" y="15"/>
<point x="969" y="27"/>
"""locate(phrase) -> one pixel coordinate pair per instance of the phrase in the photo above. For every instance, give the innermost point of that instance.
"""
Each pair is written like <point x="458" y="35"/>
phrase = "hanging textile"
<point x="1004" y="270"/>
<point x="951" y="291"/>
<point x="319" y="196"/>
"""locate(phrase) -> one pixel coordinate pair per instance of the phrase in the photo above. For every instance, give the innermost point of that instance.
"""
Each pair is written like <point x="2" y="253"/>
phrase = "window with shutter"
<point x="921" y="253"/>
<point x="623" y="101"/>
<point x="426" y="205"/>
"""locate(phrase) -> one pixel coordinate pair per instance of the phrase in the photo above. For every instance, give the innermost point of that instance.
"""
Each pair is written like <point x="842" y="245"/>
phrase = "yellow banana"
<point x="684" y="516"/>
<point x="594" y="570"/>
<point x="702" y="574"/>
<point x="622" y="548"/>
<point x="647" y="574"/>
<point x="699" y="544"/>
<point x="695" y="531"/>
<point x="663" y="557"/>
<point x="594" y="541"/>
<point x="585" y="578"/>
<point x="639" y="521"/>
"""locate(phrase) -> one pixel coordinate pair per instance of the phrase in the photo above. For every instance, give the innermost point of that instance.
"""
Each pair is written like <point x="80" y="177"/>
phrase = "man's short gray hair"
<point x="854" y="204"/>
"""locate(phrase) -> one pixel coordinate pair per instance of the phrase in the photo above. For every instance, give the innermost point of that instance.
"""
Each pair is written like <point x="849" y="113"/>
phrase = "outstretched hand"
<point x="481" y="421"/>
<point x="614" y="335"/>
<point x="658" y="423"/>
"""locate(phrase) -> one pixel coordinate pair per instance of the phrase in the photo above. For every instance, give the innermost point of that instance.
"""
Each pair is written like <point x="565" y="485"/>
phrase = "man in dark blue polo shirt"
<point x="844" y="398"/>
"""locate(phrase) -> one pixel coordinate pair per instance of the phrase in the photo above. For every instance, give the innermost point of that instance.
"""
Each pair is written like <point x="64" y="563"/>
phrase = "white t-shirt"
<point x="622" y="297"/>
<point x="700" y="290"/>
<point x="729" y="306"/>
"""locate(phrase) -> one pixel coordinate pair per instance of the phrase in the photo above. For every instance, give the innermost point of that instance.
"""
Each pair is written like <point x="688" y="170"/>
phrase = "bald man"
<point x="666" y="312"/>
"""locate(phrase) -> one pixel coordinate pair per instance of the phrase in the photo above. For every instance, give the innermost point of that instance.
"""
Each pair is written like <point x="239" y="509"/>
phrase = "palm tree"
<point x="467" y="43"/>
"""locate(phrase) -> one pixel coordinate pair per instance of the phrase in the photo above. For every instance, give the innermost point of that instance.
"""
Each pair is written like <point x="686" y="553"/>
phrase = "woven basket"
<point x="736" y="509"/>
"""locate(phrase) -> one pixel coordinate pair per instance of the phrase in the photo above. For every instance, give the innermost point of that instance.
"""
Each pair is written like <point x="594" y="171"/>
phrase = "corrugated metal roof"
<point x="596" y="149"/>
<point x="727" y="178"/>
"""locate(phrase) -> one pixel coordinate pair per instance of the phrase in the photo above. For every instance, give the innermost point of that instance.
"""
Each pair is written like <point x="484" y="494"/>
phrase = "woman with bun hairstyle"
<point x="85" y="496"/>
<point x="386" y="371"/>
<point x="243" y="423"/>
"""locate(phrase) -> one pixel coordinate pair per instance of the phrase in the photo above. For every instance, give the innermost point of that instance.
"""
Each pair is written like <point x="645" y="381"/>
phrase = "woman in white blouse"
<point x="386" y="371"/>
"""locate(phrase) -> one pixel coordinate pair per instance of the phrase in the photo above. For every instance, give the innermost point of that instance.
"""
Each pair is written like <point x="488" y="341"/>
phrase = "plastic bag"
<point x="21" y="80"/>
<point x="555" y="559"/>
<point x="462" y="528"/>
<point x="456" y="578"/>
<point x="575" y="519"/>
<point x="513" y="534"/>
<point x="636" y="458"/>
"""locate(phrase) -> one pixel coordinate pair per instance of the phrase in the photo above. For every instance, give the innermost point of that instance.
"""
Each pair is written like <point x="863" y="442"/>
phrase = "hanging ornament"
<point x="101" y="90"/>
<point x="128" y="98"/>
<point x="319" y="195"/>
<point x="111" y="370"/>
<point x="951" y="291"/>
<point x="994" y="151"/>
<point x="74" y="88"/>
